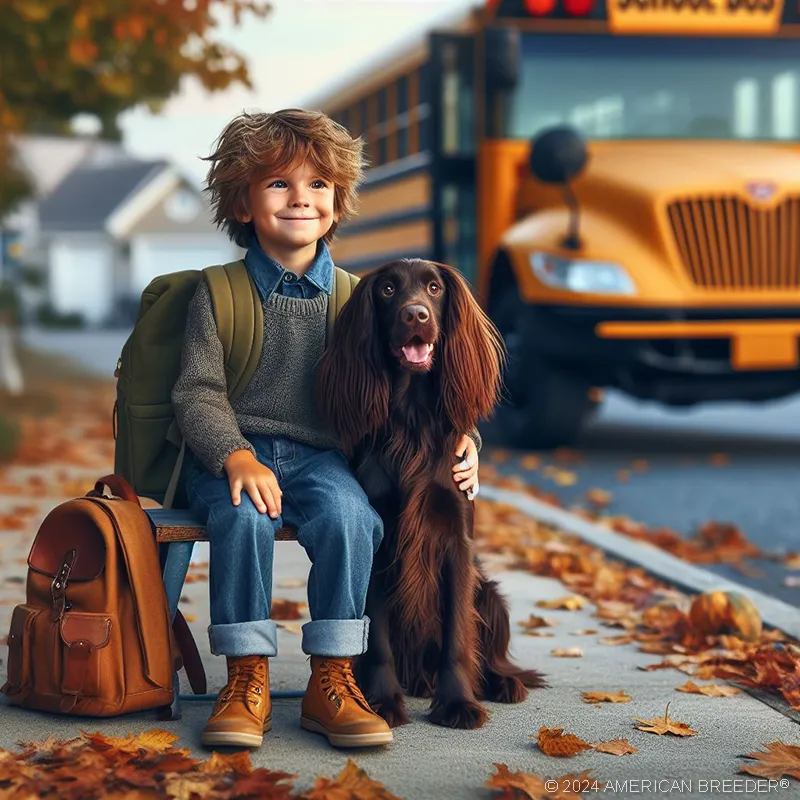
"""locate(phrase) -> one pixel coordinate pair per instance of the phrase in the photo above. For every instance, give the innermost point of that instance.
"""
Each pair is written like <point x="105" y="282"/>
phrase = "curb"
<point x="774" y="613"/>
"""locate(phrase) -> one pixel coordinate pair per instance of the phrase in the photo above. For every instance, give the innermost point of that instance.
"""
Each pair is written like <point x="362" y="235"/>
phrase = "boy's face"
<point x="291" y="209"/>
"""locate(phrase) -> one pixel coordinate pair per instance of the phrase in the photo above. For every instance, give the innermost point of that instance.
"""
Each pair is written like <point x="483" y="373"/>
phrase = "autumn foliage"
<point x="59" y="58"/>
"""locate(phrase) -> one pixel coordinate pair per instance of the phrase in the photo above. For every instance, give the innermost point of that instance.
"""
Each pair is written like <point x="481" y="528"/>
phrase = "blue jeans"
<point x="336" y="525"/>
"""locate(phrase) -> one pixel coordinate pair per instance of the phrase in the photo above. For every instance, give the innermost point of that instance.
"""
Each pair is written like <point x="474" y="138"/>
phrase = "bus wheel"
<point x="543" y="404"/>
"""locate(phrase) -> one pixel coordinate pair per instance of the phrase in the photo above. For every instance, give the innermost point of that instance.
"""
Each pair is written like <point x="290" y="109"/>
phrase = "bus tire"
<point x="544" y="405"/>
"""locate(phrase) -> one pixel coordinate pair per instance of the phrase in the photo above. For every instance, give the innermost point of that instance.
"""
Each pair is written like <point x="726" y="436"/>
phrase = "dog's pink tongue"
<point x="416" y="353"/>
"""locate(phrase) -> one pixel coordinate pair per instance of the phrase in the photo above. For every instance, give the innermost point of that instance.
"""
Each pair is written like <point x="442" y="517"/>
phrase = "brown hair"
<point x="252" y="144"/>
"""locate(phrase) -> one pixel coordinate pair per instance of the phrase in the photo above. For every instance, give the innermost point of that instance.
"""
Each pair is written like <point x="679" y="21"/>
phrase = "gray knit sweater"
<point x="280" y="398"/>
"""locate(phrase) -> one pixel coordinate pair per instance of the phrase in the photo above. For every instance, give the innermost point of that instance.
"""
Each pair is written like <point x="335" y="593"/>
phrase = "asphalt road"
<point x="736" y="463"/>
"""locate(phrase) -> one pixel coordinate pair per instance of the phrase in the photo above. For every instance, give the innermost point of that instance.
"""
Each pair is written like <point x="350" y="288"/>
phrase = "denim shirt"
<point x="269" y="276"/>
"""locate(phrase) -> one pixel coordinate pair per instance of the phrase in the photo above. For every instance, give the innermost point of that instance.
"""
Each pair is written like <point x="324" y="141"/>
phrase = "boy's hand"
<point x="465" y="473"/>
<point x="246" y="472"/>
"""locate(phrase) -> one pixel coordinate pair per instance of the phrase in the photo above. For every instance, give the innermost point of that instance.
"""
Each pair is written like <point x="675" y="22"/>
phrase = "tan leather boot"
<point x="243" y="711"/>
<point x="334" y="706"/>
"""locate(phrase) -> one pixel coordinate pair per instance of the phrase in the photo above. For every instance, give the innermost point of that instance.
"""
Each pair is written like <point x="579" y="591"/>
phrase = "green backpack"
<point x="149" y="447"/>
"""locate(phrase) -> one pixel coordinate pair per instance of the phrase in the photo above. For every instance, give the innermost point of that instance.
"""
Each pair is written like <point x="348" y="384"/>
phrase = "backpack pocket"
<point x="144" y="456"/>
<point x="19" y="650"/>
<point x="91" y="660"/>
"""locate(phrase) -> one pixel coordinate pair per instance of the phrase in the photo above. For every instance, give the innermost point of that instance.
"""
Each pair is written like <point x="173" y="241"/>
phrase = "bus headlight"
<point x="578" y="275"/>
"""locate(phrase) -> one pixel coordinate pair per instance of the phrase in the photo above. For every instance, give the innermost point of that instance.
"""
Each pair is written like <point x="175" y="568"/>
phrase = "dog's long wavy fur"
<point x="400" y="430"/>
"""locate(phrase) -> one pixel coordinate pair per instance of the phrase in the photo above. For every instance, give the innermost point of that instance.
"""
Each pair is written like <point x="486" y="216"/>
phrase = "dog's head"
<point x="417" y="317"/>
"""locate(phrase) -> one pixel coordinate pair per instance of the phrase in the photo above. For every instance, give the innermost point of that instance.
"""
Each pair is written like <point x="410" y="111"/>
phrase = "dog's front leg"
<point x="454" y="704"/>
<point x="375" y="672"/>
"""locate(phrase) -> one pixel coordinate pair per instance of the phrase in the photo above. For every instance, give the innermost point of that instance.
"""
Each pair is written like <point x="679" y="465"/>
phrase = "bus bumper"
<point x="675" y="357"/>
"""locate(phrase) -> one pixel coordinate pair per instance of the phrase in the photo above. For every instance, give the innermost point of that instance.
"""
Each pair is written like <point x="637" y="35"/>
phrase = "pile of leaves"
<point x="149" y="766"/>
<point x="648" y="611"/>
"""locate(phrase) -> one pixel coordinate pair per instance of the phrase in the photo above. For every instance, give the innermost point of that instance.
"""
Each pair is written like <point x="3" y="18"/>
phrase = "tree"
<point x="59" y="58"/>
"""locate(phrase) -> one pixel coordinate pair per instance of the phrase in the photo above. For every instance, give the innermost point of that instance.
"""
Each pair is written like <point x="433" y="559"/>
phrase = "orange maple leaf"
<point x="616" y="747"/>
<point x="662" y="725"/>
<point x="605" y="697"/>
<point x="568" y="603"/>
<point x="711" y="690"/>
<point x="351" y="782"/>
<point x="522" y="785"/>
<point x="567" y="652"/>
<point x="554" y="742"/>
<point x="286" y="609"/>
<point x="779" y="760"/>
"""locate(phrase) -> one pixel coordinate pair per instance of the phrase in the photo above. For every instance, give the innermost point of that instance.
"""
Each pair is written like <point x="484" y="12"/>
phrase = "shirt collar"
<point x="267" y="272"/>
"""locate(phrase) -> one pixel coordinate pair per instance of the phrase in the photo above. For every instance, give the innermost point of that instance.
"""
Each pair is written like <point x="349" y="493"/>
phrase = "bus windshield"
<point x="639" y="88"/>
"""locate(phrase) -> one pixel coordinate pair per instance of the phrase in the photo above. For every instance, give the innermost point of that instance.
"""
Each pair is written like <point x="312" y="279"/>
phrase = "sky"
<point x="299" y="50"/>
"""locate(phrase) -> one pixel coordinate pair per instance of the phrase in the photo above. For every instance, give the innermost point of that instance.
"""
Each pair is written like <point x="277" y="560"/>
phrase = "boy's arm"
<point x="200" y="395"/>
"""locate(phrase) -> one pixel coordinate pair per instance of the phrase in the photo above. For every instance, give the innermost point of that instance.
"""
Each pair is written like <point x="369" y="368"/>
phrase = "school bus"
<point x="619" y="180"/>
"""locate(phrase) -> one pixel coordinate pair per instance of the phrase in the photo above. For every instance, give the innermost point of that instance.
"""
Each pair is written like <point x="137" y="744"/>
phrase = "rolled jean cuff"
<point x="336" y="638"/>
<point x="258" y="638"/>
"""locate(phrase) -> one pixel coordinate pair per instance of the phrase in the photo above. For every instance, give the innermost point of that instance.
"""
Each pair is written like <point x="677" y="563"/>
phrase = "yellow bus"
<point x="619" y="180"/>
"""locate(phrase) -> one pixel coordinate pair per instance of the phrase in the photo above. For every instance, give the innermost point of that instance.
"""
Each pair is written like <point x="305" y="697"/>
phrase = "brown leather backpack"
<point x="94" y="636"/>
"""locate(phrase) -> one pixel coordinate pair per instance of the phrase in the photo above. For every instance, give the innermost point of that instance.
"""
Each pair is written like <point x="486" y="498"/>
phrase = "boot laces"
<point x="338" y="681"/>
<point x="245" y="682"/>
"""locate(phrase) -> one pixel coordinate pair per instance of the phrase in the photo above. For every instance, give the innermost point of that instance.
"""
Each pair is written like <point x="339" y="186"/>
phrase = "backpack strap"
<point x="240" y="321"/>
<point x="343" y="284"/>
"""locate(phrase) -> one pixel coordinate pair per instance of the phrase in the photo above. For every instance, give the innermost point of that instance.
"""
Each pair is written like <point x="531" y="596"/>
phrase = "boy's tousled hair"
<point x="254" y="144"/>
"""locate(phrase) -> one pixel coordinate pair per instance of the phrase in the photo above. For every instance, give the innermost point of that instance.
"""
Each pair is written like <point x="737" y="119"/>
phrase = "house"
<point x="109" y="225"/>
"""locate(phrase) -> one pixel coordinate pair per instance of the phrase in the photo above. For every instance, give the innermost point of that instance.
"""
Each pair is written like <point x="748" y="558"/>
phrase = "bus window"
<point x="457" y="99"/>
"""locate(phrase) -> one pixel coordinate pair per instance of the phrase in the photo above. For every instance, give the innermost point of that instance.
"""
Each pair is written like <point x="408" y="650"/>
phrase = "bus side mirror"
<point x="502" y="57"/>
<point x="558" y="155"/>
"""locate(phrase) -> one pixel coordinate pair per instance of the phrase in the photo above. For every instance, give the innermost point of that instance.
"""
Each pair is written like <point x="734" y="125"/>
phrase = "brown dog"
<point x="414" y="364"/>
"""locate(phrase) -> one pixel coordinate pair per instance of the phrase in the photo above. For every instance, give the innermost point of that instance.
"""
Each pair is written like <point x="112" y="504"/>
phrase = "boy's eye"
<point x="275" y="184"/>
<point x="319" y="185"/>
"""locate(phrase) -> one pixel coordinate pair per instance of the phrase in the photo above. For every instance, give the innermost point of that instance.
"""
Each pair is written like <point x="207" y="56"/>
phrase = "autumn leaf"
<point x="522" y="785"/>
<point x="568" y="603"/>
<point x="157" y="740"/>
<point x="605" y="697"/>
<point x="535" y="621"/>
<point x="554" y="742"/>
<point x="584" y="632"/>
<point x="530" y="462"/>
<point x="599" y="498"/>
<point x="710" y="690"/>
<point x="289" y="627"/>
<point x="640" y="465"/>
<point x="779" y="760"/>
<point x="623" y="638"/>
<point x="287" y="609"/>
<point x="567" y="652"/>
<point x="616" y="747"/>
<point x="662" y="725"/>
<point x="352" y="783"/>
<point x="719" y="460"/>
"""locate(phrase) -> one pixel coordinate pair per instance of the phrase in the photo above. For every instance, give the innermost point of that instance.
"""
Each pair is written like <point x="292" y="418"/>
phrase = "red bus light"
<point x="578" y="8"/>
<point x="540" y="8"/>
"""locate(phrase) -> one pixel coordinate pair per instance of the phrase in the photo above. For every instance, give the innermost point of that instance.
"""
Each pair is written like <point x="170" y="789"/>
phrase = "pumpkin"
<point x="720" y="612"/>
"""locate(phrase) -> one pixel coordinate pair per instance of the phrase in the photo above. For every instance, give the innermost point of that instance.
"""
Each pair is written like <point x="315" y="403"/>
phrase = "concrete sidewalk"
<point x="427" y="762"/>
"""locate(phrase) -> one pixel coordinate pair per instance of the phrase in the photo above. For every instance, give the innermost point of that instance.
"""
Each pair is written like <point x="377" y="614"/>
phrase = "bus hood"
<point x="668" y="170"/>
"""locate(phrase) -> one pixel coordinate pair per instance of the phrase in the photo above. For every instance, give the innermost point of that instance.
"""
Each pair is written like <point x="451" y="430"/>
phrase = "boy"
<point x="279" y="185"/>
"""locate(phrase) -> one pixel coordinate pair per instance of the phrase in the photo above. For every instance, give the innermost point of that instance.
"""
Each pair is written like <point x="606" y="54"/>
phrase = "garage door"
<point x="153" y="258"/>
<point x="81" y="279"/>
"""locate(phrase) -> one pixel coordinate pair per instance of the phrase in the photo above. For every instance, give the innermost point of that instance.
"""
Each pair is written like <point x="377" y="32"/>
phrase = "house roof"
<point x="89" y="195"/>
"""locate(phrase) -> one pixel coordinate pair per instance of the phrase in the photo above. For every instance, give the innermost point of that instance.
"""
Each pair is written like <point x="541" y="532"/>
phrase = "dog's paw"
<point x="459" y="714"/>
<point x="505" y="689"/>
<point x="392" y="709"/>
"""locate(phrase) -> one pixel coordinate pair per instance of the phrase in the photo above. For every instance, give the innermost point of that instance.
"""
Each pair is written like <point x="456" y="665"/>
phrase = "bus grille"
<point x="726" y="243"/>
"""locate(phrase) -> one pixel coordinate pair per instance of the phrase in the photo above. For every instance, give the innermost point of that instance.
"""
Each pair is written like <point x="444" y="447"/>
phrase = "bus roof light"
<point x="578" y="8"/>
<point x="540" y="8"/>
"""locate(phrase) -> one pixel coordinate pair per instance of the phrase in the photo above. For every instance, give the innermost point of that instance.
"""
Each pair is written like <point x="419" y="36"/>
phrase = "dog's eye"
<point x="387" y="290"/>
<point x="434" y="288"/>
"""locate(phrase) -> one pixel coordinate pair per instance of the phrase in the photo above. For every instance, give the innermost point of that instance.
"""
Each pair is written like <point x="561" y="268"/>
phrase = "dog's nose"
<point x="413" y="314"/>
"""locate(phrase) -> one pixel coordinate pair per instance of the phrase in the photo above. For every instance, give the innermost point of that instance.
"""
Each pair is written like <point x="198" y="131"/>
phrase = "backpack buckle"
<point x="58" y="588"/>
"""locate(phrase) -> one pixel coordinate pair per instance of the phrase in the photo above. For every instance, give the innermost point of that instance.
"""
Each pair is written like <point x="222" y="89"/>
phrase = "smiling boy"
<point x="279" y="184"/>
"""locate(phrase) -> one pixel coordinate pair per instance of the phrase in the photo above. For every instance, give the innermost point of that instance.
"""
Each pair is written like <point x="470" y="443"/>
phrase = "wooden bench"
<point x="179" y="531"/>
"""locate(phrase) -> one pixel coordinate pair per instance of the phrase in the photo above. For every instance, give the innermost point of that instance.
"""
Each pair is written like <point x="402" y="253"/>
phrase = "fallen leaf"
<point x="554" y="742"/>
<point x="600" y="498"/>
<point x="568" y="603"/>
<point x="540" y="634"/>
<point x="616" y="747"/>
<point x="709" y="690"/>
<point x="662" y="725"/>
<point x="190" y="617"/>
<point x="352" y="783"/>
<point x="289" y="627"/>
<point x="606" y="697"/>
<point x="624" y="638"/>
<point x="521" y="785"/>
<point x="283" y="609"/>
<point x="584" y="632"/>
<point x="779" y="760"/>
<point x="530" y="462"/>
<point x="640" y="465"/>
<point x="535" y="621"/>
<point x="567" y="652"/>
<point x="719" y="460"/>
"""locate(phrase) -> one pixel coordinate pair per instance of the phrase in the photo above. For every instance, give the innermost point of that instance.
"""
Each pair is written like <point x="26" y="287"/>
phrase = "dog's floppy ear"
<point x="352" y="379"/>
<point x="472" y="355"/>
